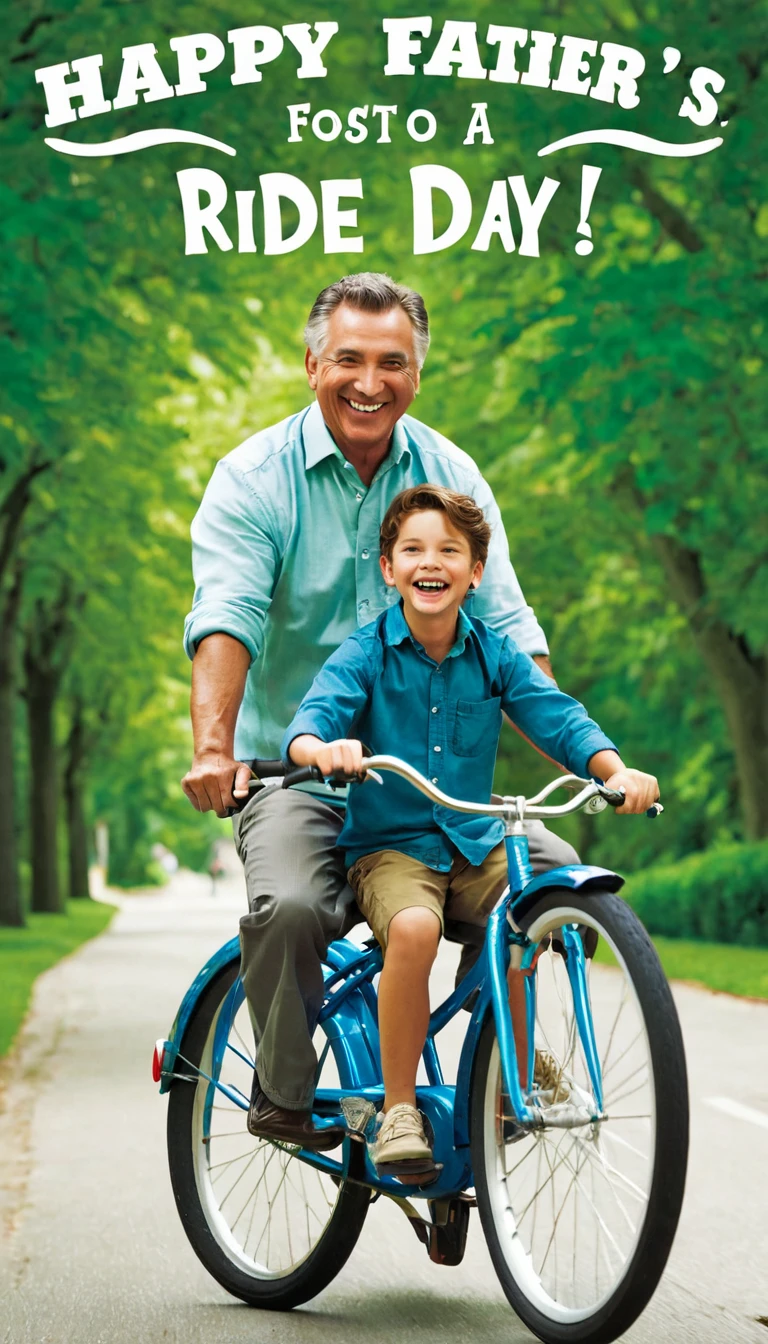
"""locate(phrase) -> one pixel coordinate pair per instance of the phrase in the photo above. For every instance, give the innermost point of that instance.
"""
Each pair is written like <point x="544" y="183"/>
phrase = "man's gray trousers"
<point x="299" y="900"/>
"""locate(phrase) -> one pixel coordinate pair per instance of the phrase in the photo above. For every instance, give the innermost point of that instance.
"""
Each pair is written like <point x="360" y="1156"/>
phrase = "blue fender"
<point x="339" y="955"/>
<point x="214" y="965"/>
<point x="580" y="877"/>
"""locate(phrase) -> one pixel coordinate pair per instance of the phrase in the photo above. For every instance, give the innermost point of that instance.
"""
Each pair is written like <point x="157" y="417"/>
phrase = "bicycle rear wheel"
<point x="579" y="1220"/>
<point x="269" y="1228"/>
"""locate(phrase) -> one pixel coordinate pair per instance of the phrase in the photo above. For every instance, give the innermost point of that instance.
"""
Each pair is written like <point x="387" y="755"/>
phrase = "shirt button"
<point x="435" y="708"/>
<point x="358" y="496"/>
<point x="435" y="779"/>
<point x="437" y="748"/>
<point x="365" y="554"/>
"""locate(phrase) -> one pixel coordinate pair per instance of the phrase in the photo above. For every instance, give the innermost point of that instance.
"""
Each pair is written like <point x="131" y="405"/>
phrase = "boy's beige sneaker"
<point x="401" y="1146"/>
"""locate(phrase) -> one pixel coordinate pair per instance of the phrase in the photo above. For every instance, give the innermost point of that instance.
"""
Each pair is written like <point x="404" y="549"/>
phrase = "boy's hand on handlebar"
<point x="215" y="782"/>
<point x="342" y="757"/>
<point x="640" y="790"/>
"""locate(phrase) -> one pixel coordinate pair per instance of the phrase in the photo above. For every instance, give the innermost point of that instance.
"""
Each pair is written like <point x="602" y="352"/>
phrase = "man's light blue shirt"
<point x="443" y="718"/>
<point x="286" y="557"/>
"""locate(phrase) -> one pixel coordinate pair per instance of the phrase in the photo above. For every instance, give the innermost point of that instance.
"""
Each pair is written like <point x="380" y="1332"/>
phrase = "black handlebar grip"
<point x="266" y="769"/>
<point x="302" y="774"/>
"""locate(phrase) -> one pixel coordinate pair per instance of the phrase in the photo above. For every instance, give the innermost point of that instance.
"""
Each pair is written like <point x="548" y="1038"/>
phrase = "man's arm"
<point x="499" y="600"/>
<point x="219" y="671"/>
<point x="235" y="562"/>
<point x="542" y="660"/>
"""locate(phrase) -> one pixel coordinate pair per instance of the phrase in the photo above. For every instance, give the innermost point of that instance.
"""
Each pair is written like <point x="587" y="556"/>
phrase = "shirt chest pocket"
<point x="477" y="725"/>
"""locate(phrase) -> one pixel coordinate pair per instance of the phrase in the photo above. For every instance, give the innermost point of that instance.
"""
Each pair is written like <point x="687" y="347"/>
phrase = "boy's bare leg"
<point x="412" y="940"/>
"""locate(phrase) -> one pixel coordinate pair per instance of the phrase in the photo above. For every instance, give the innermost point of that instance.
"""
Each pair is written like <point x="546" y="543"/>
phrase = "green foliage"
<point x="720" y="895"/>
<point x="26" y="953"/>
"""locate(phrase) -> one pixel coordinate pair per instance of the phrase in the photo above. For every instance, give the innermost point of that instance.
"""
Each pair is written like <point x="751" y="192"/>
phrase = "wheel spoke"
<point x="227" y="1162"/>
<point x="556" y="1218"/>
<point x="608" y="1068"/>
<point x="616" y="1138"/>
<point x="615" y="1101"/>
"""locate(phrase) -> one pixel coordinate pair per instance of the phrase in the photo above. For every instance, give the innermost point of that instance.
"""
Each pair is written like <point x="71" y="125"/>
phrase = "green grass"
<point x="25" y="953"/>
<point x="721" y="966"/>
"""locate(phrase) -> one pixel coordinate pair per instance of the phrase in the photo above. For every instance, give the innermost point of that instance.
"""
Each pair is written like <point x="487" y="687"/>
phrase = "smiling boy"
<point x="428" y="683"/>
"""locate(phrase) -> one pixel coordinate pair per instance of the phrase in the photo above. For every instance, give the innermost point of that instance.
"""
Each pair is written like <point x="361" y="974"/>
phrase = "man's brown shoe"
<point x="268" y="1121"/>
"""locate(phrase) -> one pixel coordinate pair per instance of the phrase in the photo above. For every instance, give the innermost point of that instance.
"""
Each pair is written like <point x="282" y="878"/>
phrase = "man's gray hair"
<point x="371" y="292"/>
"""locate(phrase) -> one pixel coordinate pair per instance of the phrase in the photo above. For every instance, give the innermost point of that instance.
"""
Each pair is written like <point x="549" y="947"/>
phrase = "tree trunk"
<point x="12" y="510"/>
<point x="77" y="838"/>
<point x="740" y="678"/>
<point x="77" y="832"/>
<point x="11" y="906"/>
<point x="41" y="688"/>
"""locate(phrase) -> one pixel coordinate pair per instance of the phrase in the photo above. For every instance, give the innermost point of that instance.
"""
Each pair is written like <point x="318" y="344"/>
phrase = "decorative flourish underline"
<point x="632" y="140"/>
<point x="139" y="140"/>
<point x="147" y="139"/>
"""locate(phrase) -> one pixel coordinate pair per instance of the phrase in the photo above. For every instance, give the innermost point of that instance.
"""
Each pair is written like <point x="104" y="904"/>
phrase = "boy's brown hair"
<point x="461" y="510"/>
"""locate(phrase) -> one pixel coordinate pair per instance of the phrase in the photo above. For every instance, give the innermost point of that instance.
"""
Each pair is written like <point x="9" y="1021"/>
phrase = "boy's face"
<point x="431" y="565"/>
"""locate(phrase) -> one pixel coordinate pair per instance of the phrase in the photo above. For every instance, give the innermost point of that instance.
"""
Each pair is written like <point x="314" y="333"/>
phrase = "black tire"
<point x="494" y="1158"/>
<point x="340" y="1234"/>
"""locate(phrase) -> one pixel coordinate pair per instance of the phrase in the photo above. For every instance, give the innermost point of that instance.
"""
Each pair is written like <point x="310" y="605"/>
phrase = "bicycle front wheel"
<point x="271" y="1229"/>
<point x="580" y="1214"/>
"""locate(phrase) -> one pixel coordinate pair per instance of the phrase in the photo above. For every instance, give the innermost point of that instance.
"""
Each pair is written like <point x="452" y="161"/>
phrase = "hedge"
<point x="720" y="895"/>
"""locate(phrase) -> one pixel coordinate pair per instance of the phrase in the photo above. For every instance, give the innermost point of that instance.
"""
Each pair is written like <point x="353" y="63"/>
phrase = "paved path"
<point x="92" y="1249"/>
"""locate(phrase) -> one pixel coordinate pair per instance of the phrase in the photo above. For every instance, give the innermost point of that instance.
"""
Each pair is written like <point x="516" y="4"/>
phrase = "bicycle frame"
<point x="349" y="1015"/>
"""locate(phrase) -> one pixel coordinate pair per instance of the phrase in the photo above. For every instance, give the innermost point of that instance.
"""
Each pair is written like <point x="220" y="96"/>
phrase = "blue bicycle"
<point x="578" y="1180"/>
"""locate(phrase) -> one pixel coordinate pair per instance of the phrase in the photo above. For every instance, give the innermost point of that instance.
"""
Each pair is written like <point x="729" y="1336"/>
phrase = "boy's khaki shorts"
<point x="387" y="882"/>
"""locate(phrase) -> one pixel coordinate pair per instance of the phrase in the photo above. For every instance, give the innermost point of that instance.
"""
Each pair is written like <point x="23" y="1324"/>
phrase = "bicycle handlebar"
<point x="591" y="796"/>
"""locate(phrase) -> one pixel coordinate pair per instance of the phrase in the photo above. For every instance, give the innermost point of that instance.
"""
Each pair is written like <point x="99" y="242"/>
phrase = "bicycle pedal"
<point x="359" y="1116"/>
<point x="425" y="1176"/>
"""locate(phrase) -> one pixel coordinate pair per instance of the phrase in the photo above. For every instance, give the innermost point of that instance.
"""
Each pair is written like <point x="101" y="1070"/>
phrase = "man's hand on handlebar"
<point x="216" y="782"/>
<point x="342" y="757"/>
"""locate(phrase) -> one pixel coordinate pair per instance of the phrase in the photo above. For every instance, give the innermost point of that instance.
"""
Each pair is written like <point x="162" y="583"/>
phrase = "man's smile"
<point x="363" y="406"/>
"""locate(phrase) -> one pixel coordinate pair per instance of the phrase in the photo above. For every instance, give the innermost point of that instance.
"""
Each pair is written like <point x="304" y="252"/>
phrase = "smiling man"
<point x="286" y="563"/>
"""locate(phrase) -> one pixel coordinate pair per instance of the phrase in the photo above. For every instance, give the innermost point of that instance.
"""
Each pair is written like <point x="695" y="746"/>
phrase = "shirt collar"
<point x="396" y="629"/>
<point x="319" y="443"/>
<point x="463" y="631"/>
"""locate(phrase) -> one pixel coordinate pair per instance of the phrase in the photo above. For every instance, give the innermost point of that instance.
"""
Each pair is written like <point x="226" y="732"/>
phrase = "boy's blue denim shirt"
<point x="443" y="718"/>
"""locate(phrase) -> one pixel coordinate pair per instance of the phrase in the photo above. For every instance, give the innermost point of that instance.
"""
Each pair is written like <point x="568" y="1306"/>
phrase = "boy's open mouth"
<point x="430" y="585"/>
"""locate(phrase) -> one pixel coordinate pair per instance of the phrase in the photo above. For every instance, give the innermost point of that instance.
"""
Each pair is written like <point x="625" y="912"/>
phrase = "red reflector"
<point x="157" y="1061"/>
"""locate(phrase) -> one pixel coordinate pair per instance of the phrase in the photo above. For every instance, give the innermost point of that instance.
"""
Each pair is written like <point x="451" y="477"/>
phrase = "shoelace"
<point x="401" y="1121"/>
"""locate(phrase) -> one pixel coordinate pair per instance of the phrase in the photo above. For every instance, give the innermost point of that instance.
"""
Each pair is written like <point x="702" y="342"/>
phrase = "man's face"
<point x="365" y="377"/>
